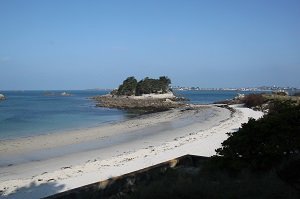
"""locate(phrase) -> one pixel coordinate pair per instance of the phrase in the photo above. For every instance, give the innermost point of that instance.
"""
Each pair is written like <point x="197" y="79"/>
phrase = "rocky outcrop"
<point x="65" y="94"/>
<point x="147" y="104"/>
<point x="2" y="97"/>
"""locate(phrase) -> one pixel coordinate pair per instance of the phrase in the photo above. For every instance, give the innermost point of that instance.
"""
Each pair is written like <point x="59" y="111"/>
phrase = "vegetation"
<point x="273" y="97"/>
<point x="260" y="160"/>
<point x="128" y="87"/>
<point x="282" y="93"/>
<point x="180" y="184"/>
<point x="297" y="94"/>
<point x="265" y="143"/>
<point x="253" y="100"/>
<point x="148" y="85"/>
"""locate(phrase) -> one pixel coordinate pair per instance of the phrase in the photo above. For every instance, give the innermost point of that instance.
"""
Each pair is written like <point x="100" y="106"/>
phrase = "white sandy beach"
<point x="40" y="166"/>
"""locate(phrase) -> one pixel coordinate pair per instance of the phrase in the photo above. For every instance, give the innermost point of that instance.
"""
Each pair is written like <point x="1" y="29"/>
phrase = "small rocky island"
<point x="147" y="95"/>
<point x="2" y="97"/>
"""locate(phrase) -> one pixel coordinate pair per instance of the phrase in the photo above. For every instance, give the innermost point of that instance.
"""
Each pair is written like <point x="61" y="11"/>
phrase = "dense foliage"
<point x="297" y="94"/>
<point x="260" y="160"/>
<point x="184" y="183"/>
<point x="253" y="100"/>
<point x="264" y="143"/>
<point x="148" y="85"/>
<point x="128" y="87"/>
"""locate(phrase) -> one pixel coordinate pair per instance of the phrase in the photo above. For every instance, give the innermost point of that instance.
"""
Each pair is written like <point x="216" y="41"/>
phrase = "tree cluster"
<point x="264" y="143"/>
<point x="148" y="85"/>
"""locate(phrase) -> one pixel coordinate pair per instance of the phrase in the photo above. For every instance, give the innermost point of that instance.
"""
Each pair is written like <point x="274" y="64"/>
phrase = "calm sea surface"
<point x="28" y="113"/>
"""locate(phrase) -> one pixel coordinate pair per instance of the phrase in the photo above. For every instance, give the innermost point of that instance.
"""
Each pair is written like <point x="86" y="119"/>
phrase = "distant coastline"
<point x="260" y="88"/>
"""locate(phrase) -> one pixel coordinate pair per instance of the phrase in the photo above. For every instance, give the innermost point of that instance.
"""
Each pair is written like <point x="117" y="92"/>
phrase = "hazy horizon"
<point x="75" y="45"/>
<point x="180" y="86"/>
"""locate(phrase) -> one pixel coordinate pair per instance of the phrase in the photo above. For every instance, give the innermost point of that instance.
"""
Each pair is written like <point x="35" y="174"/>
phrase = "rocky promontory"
<point x="145" y="103"/>
<point x="147" y="95"/>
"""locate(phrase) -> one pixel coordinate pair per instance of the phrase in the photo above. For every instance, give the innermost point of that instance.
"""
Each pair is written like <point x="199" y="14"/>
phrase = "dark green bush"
<point x="128" y="87"/>
<point x="253" y="100"/>
<point x="260" y="160"/>
<point x="146" y="86"/>
<point x="297" y="94"/>
<point x="214" y="184"/>
<point x="262" y="144"/>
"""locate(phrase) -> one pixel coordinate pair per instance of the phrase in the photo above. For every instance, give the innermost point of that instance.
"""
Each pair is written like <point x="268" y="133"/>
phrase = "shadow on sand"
<point x="35" y="191"/>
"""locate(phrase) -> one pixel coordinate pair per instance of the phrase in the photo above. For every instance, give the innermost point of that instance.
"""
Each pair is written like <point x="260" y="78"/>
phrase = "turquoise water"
<point x="28" y="113"/>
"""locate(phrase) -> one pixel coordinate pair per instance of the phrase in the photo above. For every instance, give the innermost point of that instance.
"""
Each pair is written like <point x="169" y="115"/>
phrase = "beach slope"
<point x="40" y="166"/>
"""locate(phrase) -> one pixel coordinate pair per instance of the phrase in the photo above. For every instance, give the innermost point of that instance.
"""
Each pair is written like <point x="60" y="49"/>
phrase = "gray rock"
<point x="2" y="97"/>
<point x="146" y="104"/>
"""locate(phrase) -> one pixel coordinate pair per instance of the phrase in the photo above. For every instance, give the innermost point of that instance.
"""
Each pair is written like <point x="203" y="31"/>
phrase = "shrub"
<point x="128" y="87"/>
<point x="297" y="94"/>
<point x="214" y="184"/>
<point x="146" y="86"/>
<point x="262" y="144"/>
<point x="281" y="93"/>
<point x="253" y="100"/>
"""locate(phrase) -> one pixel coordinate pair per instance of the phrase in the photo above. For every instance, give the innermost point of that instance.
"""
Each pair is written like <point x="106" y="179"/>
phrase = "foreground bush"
<point x="264" y="143"/>
<point x="297" y="94"/>
<point x="260" y="160"/>
<point x="179" y="184"/>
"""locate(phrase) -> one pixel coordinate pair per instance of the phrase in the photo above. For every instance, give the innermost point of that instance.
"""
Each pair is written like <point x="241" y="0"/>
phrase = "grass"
<point x="269" y="97"/>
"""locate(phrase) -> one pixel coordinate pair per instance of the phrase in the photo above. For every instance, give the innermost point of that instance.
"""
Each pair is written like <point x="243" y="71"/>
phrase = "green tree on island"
<point x="128" y="87"/>
<point x="148" y="85"/>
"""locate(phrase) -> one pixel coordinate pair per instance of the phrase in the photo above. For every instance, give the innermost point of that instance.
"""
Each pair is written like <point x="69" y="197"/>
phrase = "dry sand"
<point x="39" y="166"/>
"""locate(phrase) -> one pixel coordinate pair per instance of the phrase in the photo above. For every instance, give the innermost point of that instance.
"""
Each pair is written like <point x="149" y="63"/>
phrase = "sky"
<point x="54" y="44"/>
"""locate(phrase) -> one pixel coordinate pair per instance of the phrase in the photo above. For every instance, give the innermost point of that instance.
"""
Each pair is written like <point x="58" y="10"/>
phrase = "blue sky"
<point x="87" y="44"/>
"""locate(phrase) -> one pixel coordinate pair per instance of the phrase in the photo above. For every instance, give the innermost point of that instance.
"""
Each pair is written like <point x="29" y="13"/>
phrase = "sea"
<point x="30" y="113"/>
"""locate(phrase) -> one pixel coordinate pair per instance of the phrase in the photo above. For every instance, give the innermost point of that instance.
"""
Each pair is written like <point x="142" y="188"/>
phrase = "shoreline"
<point x="152" y="139"/>
<point x="89" y="133"/>
<point x="61" y="143"/>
